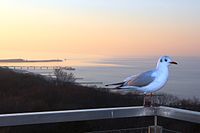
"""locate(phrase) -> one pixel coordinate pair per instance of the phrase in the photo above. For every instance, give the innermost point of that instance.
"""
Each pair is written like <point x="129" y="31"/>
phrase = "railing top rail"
<point x="179" y="114"/>
<point x="73" y="115"/>
<point x="96" y="114"/>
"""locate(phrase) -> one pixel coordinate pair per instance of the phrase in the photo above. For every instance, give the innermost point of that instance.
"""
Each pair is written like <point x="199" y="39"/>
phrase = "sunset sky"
<point x="99" y="28"/>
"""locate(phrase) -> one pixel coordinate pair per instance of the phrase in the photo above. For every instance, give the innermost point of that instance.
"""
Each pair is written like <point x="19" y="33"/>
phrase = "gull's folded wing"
<point x="141" y="80"/>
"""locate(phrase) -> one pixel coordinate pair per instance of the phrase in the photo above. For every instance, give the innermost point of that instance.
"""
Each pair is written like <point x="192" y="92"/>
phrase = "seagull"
<point x="149" y="81"/>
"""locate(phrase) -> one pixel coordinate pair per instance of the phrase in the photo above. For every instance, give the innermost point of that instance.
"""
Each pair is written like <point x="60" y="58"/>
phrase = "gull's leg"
<point x="151" y="99"/>
<point x="144" y="100"/>
<point x="154" y="99"/>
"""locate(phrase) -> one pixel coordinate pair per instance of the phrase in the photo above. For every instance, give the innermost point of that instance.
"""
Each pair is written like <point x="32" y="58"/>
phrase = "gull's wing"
<point x="122" y="83"/>
<point x="129" y="78"/>
<point x="141" y="80"/>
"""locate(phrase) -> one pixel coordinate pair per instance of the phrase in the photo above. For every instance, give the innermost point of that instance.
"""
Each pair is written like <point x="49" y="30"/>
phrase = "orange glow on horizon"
<point x="45" y="33"/>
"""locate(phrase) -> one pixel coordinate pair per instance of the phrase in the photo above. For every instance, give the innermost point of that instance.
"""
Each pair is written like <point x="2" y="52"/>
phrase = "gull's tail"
<point x="120" y="84"/>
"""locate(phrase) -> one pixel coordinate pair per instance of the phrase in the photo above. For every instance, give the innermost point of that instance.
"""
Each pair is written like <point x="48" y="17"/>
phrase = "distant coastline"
<point x="23" y="60"/>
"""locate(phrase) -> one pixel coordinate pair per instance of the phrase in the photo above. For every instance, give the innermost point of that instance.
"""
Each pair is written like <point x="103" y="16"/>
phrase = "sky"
<point x="99" y="28"/>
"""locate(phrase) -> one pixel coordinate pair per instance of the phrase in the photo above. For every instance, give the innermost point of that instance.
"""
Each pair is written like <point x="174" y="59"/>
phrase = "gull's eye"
<point x="165" y="60"/>
<point x="160" y="60"/>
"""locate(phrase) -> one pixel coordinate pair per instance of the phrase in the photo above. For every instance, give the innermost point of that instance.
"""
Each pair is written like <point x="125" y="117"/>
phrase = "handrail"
<point x="179" y="114"/>
<point x="96" y="114"/>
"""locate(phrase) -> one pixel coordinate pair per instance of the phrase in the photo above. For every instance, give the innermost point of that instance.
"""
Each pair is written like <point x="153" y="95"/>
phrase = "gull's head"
<point x="165" y="61"/>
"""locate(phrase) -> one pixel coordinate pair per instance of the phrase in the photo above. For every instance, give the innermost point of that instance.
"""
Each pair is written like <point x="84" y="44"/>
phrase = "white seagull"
<point x="150" y="81"/>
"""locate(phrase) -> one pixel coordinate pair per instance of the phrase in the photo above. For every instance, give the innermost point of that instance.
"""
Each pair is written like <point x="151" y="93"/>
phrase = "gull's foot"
<point x="147" y="104"/>
<point x="155" y="105"/>
<point x="151" y="100"/>
<point x="147" y="101"/>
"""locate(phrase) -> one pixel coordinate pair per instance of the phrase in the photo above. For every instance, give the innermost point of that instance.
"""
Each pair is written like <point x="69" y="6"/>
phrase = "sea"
<point x="184" y="78"/>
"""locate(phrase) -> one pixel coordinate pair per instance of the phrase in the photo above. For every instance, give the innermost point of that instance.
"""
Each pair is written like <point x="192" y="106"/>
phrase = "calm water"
<point x="184" y="80"/>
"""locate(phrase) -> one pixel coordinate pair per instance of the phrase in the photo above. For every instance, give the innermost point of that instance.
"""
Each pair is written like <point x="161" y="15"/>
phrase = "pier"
<point x="39" y="67"/>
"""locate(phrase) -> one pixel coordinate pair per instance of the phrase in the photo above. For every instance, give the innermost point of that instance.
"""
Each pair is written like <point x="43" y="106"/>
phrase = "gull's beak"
<point x="173" y="62"/>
